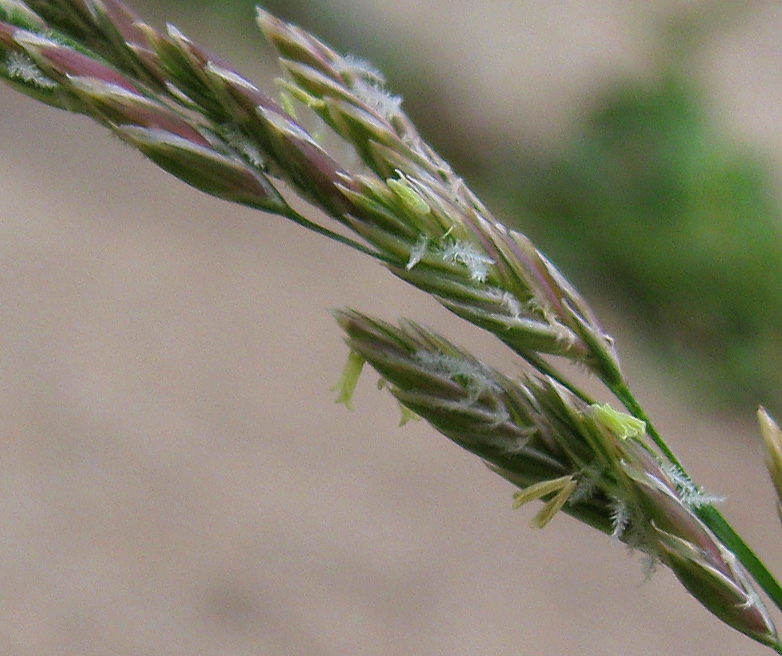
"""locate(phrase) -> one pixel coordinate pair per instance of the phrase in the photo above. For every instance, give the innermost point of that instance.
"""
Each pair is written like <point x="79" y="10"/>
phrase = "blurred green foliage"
<point x="656" y="207"/>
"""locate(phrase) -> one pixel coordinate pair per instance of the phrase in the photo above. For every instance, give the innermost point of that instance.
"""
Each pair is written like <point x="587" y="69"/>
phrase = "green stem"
<point x="293" y="215"/>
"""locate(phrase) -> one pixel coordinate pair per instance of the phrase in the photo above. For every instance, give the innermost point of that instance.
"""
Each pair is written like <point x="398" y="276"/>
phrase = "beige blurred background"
<point x="174" y="475"/>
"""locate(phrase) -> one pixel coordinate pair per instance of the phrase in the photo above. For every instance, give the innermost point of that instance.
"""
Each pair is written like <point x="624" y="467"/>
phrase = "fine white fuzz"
<point x="690" y="494"/>
<point x="368" y="86"/>
<point x="243" y="146"/>
<point x="467" y="254"/>
<point x="361" y="68"/>
<point x="21" y="67"/>
<point x="473" y="376"/>
<point x="379" y="99"/>
<point x="620" y="518"/>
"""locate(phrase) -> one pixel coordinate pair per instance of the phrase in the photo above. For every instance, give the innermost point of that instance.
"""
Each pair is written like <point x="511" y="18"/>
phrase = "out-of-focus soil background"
<point x="174" y="475"/>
